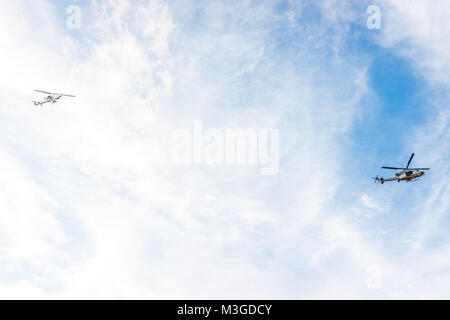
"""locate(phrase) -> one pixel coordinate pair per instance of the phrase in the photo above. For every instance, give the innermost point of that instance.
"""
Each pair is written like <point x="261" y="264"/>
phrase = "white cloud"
<point x="368" y="201"/>
<point x="419" y="29"/>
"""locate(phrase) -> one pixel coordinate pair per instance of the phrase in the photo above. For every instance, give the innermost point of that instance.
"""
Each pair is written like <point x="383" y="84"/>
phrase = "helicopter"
<point x="407" y="174"/>
<point x="51" y="98"/>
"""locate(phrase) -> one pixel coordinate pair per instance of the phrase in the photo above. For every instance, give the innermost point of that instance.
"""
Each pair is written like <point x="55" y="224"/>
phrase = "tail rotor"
<point x="377" y="179"/>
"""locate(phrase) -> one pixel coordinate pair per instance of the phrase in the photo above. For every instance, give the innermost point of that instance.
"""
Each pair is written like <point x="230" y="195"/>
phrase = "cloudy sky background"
<point x="90" y="209"/>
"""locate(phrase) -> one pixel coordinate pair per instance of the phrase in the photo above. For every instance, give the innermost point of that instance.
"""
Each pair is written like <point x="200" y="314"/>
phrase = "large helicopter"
<point x="407" y="174"/>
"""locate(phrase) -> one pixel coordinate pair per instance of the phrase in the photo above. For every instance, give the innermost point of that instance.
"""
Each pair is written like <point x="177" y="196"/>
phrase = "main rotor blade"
<point x="46" y="92"/>
<point x="57" y="94"/>
<point x="391" y="168"/>
<point x="409" y="162"/>
<point x="65" y="95"/>
<point x="419" y="169"/>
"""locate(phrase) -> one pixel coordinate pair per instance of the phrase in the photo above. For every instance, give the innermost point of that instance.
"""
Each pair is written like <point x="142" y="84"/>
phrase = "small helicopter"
<point x="51" y="98"/>
<point x="407" y="174"/>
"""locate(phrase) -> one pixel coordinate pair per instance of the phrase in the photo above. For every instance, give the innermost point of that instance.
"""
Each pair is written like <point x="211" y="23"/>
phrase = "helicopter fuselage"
<point x="409" y="175"/>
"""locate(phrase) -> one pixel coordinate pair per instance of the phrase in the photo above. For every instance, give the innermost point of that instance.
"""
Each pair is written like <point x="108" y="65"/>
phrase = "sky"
<point x="91" y="207"/>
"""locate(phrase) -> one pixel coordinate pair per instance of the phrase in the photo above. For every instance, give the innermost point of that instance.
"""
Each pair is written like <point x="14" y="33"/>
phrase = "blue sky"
<point x="89" y="209"/>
